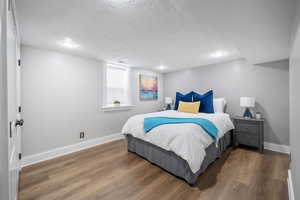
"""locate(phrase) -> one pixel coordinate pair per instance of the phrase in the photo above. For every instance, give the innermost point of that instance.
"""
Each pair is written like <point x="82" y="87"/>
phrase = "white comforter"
<point x="186" y="140"/>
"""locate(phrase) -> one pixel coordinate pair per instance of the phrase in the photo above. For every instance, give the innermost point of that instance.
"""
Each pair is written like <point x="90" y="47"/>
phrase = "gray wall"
<point x="268" y="83"/>
<point x="62" y="95"/>
<point x="294" y="106"/>
<point x="3" y="107"/>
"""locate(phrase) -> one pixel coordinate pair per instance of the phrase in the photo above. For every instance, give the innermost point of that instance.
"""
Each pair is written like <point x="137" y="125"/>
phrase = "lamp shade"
<point x="247" y="102"/>
<point x="168" y="100"/>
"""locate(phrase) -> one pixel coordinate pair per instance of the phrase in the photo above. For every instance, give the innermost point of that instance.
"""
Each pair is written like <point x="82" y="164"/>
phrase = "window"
<point x="116" y="87"/>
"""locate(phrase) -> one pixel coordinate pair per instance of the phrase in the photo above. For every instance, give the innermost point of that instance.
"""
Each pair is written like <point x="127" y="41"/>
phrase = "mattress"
<point x="173" y="163"/>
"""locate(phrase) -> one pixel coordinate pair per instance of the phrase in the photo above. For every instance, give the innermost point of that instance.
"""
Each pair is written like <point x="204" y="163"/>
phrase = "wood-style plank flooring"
<point x="109" y="172"/>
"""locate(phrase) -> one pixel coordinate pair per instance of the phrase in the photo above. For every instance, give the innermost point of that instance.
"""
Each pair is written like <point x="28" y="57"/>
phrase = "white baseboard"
<point x="36" y="158"/>
<point x="290" y="186"/>
<point x="277" y="147"/>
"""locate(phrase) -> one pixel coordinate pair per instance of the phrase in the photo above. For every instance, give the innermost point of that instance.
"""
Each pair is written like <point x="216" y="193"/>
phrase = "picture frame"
<point x="148" y="87"/>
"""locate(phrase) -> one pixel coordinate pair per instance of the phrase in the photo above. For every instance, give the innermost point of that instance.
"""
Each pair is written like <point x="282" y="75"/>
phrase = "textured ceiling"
<point x="148" y="33"/>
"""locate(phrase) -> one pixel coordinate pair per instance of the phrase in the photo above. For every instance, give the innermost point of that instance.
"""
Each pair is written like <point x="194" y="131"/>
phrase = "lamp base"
<point x="168" y="107"/>
<point x="247" y="113"/>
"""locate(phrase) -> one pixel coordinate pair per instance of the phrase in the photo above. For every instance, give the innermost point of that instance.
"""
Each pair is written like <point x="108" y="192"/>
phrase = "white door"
<point x="13" y="95"/>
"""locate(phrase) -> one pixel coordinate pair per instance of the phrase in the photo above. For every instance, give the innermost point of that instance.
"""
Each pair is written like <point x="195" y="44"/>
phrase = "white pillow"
<point x="219" y="105"/>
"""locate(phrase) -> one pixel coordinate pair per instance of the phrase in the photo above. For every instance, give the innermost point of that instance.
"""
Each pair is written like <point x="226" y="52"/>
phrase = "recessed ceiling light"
<point x="219" y="54"/>
<point x="68" y="43"/>
<point x="161" y="67"/>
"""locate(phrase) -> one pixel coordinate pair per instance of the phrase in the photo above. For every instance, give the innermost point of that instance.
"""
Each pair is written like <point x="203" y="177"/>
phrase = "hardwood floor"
<point x="109" y="172"/>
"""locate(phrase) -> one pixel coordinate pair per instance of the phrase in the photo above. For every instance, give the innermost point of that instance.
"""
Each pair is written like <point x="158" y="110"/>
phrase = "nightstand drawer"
<point x="247" y="139"/>
<point x="247" y="128"/>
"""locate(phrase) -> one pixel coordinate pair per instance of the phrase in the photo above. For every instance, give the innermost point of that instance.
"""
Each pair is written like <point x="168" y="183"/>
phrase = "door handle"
<point x="19" y="122"/>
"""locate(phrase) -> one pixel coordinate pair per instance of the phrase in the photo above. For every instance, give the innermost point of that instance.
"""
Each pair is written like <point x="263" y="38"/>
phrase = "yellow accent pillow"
<point x="189" y="107"/>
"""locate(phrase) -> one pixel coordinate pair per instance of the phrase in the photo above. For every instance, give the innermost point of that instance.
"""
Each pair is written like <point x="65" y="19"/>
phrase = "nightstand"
<point x="249" y="132"/>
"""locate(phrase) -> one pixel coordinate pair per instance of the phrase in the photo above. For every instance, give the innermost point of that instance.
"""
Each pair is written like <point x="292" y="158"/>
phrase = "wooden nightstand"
<point x="249" y="132"/>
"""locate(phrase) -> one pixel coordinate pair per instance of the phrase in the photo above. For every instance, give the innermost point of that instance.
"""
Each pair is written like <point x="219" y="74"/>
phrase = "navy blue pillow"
<point x="207" y="105"/>
<point x="181" y="97"/>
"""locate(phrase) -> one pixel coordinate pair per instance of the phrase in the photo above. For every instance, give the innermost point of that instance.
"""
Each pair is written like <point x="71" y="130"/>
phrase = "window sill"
<point x="111" y="108"/>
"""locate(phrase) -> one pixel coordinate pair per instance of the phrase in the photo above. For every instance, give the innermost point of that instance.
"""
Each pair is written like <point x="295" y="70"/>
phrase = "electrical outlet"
<point x="81" y="135"/>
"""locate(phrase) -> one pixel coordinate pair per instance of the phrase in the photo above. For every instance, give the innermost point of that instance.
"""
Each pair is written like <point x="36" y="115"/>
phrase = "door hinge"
<point x="19" y="62"/>
<point x="10" y="131"/>
<point x="20" y="156"/>
<point x="9" y="5"/>
<point x="20" y="109"/>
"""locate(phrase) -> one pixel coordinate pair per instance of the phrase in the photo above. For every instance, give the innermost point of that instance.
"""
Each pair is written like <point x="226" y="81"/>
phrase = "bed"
<point x="184" y="150"/>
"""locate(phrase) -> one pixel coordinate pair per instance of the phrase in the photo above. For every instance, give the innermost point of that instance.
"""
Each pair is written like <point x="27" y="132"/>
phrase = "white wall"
<point x="3" y="105"/>
<point x="62" y="95"/>
<point x="295" y="106"/>
<point x="268" y="83"/>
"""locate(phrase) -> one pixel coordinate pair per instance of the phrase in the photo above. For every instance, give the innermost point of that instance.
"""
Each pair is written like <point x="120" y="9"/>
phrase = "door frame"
<point x="4" y="182"/>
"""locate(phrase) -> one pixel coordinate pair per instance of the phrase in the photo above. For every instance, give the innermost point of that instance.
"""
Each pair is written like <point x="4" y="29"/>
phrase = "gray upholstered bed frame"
<point x="173" y="163"/>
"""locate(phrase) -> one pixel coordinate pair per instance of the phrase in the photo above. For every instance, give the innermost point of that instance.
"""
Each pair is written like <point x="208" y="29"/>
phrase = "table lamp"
<point x="247" y="103"/>
<point x="168" y="102"/>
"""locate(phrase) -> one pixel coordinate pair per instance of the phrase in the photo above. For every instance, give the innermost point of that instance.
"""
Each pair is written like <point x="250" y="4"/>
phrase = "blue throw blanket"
<point x="208" y="126"/>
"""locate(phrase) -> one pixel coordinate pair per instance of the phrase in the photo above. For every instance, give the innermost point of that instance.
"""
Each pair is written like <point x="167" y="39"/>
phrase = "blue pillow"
<point x="181" y="97"/>
<point x="207" y="105"/>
